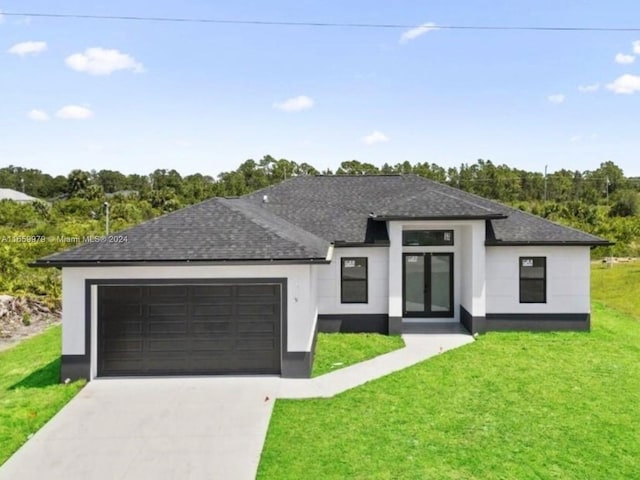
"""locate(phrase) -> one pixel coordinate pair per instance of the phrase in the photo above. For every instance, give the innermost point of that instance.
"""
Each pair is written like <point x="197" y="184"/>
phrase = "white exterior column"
<point x="478" y="269"/>
<point x="395" y="277"/>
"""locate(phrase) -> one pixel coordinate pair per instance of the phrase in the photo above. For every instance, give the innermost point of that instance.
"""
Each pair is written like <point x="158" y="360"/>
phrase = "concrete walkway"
<point x="418" y="347"/>
<point x="185" y="428"/>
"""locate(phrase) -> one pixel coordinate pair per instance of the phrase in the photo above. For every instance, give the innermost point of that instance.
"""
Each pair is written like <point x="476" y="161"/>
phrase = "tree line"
<point x="167" y="189"/>
<point x="603" y="202"/>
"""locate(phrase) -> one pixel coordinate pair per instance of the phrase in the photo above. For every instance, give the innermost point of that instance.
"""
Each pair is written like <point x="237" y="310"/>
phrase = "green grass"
<point x="30" y="392"/>
<point x="615" y="287"/>
<point x="509" y="406"/>
<point x="339" y="350"/>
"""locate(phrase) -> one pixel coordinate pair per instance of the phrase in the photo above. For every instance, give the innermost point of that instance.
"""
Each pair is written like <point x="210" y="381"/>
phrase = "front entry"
<point x="427" y="285"/>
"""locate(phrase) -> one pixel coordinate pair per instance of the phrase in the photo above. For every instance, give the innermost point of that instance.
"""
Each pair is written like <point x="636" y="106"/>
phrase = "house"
<point x="242" y="285"/>
<point x="16" y="196"/>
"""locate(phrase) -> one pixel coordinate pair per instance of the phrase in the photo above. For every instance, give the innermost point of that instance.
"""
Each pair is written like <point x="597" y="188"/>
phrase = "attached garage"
<point x="189" y="328"/>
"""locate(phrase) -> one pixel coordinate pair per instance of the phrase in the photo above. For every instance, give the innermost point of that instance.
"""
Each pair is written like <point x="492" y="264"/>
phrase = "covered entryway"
<point x="189" y="329"/>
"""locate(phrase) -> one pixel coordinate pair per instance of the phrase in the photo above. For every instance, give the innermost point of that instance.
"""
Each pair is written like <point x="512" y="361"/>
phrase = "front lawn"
<point x="509" y="406"/>
<point x="30" y="393"/>
<point x="617" y="286"/>
<point x="339" y="350"/>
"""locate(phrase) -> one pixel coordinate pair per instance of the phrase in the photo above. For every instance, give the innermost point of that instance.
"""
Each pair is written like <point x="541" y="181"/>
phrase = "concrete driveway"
<point x="169" y="428"/>
<point x="186" y="428"/>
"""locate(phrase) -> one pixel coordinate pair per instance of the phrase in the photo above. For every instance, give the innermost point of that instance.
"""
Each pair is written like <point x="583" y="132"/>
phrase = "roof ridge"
<point x="268" y="220"/>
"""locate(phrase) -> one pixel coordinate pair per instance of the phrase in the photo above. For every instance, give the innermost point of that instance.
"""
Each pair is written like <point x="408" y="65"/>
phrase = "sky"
<point x="135" y="96"/>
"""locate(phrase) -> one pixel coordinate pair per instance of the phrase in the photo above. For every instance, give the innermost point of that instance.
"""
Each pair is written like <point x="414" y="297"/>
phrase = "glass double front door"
<point x="428" y="284"/>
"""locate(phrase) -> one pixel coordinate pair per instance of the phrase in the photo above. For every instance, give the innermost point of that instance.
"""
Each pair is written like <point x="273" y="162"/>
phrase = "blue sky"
<point x="136" y="96"/>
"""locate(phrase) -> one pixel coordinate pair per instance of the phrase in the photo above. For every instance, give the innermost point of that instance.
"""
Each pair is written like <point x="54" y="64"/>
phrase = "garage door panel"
<point x="257" y="290"/>
<point x="166" y="345"/>
<point x="189" y="329"/>
<point x="122" y="329"/>
<point x="123" y="346"/>
<point x="156" y="310"/>
<point x="166" y="291"/>
<point x="257" y="309"/>
<point x="124" y="366"/>
<point x="256" y="327"/>
<point x="212" y="309"/>
<point x="213" y="327"/>
<point x="205" y="292"/>
<point x="255" y="344"/>
<point x="122" y="293"/>
<point x="211" y="345"/>
<point x="167" y="327"/>
<point x="122" y="310"/>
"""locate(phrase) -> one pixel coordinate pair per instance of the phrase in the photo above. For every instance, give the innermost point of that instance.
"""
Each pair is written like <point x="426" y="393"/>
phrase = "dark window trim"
<point x="521" y="280"/>
<point x="427" y="271"/>
<point x="437" y="230"/>
<point x="366" y="279"/>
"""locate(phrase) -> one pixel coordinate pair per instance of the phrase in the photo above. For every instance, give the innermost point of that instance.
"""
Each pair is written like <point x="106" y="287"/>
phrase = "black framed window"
<point x="353" y="280"/>
<point x="429" y="238"/>
<point x="533" y="279"/>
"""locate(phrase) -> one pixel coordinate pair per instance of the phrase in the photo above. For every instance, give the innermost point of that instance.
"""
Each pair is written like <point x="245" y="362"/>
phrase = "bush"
<point x="625" y="204"/>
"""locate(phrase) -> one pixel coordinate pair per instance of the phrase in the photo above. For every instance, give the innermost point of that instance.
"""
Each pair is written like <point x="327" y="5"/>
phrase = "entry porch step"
<point x="433" y="327"/>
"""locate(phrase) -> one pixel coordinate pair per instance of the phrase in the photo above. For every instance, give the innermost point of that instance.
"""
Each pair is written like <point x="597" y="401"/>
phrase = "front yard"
<point x="30" y="392"/>
<point x="335" y="351"/>
<point x="509" y="406"/>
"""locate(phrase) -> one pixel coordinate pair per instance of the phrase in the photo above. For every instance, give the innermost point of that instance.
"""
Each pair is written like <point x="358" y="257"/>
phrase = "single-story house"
<point x="242" y="285"/>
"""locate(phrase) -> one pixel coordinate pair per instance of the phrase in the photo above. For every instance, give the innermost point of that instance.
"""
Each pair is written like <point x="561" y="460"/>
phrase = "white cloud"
<point x="624" y="59"/>
<point x="636" y="47"/>
<point x="417" y="31"/>
<point x="38" y="115"/>
<point x="1" y="17"/>
<point x="594" y="87"/>
<point x="626" y="84"/>
<point x="295" y="104"/>
<point x="28" y="48"/>
<point x="575" y="138"/>
<point x="375" y="137"/>
<point x="74" y="112"/>
<point x="102" y="61"/>
<point x="557" y="98"/>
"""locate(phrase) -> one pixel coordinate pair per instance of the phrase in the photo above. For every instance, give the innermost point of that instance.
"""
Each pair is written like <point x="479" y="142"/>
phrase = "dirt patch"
<point x="21" y="318"/>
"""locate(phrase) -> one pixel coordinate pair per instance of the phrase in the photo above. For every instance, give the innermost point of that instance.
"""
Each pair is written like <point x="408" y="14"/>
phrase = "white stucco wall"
<point x="473" y="267"/>
<point x="378" y="281"/>
<point x="301" y="305"/>
<point x="568" y="280"/>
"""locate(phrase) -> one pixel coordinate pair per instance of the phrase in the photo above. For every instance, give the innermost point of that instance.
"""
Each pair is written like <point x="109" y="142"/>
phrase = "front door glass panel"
<point x="428" y="285"/>
<point x="414" y="283"/>
<point x="440" y="283"/>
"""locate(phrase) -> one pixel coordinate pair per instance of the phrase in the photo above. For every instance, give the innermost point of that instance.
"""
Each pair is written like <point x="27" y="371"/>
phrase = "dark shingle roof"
<point x="214" y="230"/>
<point x="524" y="228"/>
<point x="298" y="219"/>
<point x="337" y="208"/>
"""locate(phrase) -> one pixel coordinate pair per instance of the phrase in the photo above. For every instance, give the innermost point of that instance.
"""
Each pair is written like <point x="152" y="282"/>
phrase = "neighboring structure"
<point x="242" y="285"/>
<point x="16" y="196"/>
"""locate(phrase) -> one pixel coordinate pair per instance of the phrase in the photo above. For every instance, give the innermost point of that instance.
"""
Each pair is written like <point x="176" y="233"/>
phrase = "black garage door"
<point x="188" y="329"/>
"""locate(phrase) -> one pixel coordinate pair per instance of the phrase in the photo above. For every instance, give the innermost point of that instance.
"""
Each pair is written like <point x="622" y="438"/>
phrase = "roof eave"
<point x="341" y="244"/>
<point x="147" y="263"/>
<point x="548" y="243"/>
<point x="496" y="216"/>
